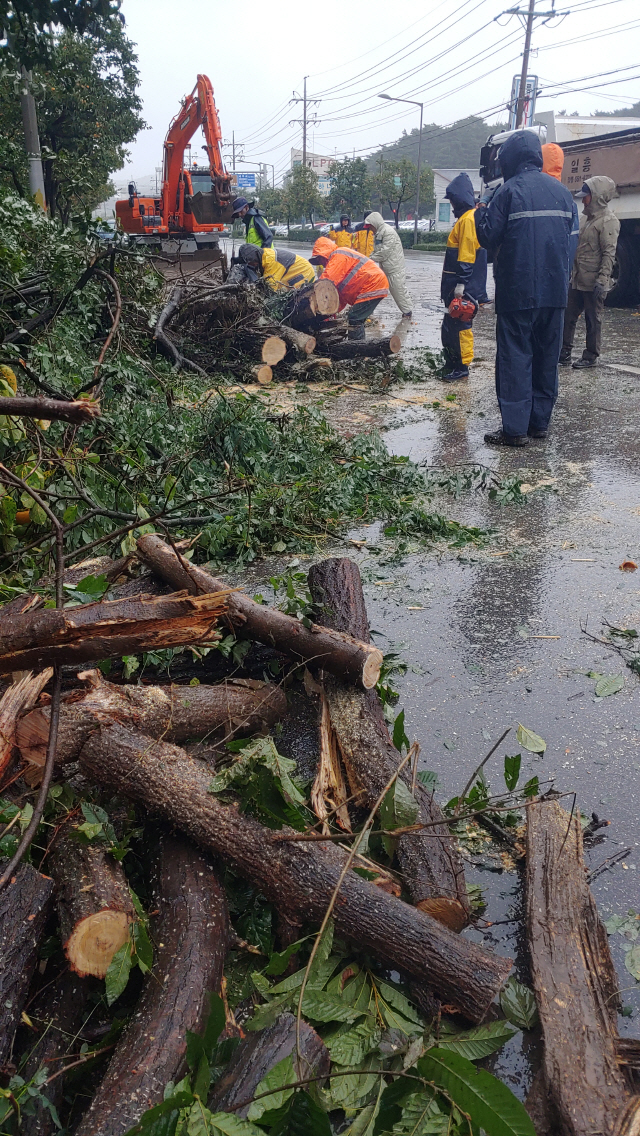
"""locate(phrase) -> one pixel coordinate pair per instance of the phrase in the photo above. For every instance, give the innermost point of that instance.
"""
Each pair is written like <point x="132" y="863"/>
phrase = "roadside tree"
<point x="395" y="186"/>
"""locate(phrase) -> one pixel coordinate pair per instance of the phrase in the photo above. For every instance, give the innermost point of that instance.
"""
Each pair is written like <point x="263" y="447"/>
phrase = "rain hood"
<point x="603" y="190"/>
<point x="461" y="189"/>
<point x="520" y="152"/>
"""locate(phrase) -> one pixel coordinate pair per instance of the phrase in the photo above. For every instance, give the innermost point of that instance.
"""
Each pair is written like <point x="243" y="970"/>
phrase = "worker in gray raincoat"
<point x="591" y="276"/>
<point x="389" y="254"/>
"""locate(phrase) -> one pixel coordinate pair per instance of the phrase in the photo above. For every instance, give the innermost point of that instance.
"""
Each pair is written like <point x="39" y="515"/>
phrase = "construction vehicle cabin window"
<point x="201" y="181"/>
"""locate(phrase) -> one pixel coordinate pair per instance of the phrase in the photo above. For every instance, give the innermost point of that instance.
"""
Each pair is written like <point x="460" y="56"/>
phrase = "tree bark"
<point x="299" y="878"/>
<point x="24" y="907"/>
<point x="258" y="1053"/>
<point x="49" y="409"/>
<point x="17" y="698"/>
<point x="107" y="630"/>
<point x="363" y="348"/>
<point x="93" y="901"/>
<point x="430" y="863"/>
<point x="17" y="606"/>
<point x="310" y="304"/>
<point x="58" y="1013"/>
<point x="192" y="934"/>
<point x="355" y="662"/>
<point x="573" y="977"/>
<point x="233" y="708"/>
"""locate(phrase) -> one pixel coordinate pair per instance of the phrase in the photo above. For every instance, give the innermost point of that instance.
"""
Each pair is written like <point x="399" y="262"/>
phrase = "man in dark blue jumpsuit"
<point x="528" y="225"/>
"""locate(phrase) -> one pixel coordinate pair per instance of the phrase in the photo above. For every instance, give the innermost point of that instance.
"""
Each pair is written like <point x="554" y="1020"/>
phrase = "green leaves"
<point x="303" y="1118"/>
<point x="478" y="1042"/>
<point x="518" y="1004"/>
<point x="265" y="780"/>
<point x="399" y="807"/>
<point x="609" y="684"/>
<point x="281" y="1074"/>
<point x="530" y="741"/>
<point x="488" y="1101"/>
<point x="512" y="771"/>
<point x="632" y="961"/>
<point x="118" y="972"/>
<point x="351" y="1047"/>
<point x="399" y="737"/>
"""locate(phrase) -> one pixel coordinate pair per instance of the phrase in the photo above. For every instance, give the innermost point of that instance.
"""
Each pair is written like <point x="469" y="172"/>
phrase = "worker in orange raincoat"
<point x="361" y="284"/>
<point x="552" y="160"/>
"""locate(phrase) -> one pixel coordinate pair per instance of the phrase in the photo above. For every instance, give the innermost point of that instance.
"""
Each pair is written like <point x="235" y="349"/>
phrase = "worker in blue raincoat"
<point x="528" y="223"/>
<point x="464" y="274"/>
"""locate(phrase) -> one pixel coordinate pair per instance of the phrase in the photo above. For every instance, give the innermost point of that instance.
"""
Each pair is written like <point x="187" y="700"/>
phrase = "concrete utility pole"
<point x="393" y="99"/>
<point x="527" y="18"/>
<point x="32" y="139"/>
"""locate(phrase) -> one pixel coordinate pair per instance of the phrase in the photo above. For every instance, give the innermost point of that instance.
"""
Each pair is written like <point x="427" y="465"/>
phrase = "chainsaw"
<point x="463" y="308"/>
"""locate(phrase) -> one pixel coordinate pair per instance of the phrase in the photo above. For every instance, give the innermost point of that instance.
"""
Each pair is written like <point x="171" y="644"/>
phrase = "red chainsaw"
<point x="463" y="308"/>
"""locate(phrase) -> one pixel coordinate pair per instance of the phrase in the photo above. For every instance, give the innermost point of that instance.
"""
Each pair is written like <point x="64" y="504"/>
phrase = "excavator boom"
<point x="179" y="213"/>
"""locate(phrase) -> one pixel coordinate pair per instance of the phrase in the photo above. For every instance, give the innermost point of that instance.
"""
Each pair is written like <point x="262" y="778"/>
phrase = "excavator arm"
<point x="198" y="109"/>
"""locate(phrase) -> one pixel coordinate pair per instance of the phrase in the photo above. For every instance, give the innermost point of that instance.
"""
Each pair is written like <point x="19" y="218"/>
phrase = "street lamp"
<point x="393" y="99"/>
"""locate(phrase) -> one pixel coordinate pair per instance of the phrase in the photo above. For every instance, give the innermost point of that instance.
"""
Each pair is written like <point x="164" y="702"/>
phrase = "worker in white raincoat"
<point x="389" y="254"/>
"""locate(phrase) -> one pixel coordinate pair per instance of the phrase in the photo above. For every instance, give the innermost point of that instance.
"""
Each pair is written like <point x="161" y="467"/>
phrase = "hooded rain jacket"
<point x="599" y="228"/>
<point x="389" y="254"/>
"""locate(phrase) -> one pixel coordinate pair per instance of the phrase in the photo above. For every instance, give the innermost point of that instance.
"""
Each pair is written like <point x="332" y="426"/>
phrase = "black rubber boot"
<point x="565" y="359"/>
<point x="537" y="433"/>
<point x="356" y="331"/>
<point x="499" y="438"/>
<point x="455" y="375"/>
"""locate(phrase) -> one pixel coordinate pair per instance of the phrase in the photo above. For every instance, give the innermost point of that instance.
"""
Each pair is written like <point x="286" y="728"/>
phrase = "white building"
<point x="575" y="127"/>
<point x="444" y="213"/>
<point x="319" y="164"/>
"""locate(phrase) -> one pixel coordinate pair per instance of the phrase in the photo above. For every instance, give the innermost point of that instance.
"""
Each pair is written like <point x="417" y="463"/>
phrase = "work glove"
<point x="599" y="290"/>
<point x="488" y="195"/>
<point x="459" y="291"/>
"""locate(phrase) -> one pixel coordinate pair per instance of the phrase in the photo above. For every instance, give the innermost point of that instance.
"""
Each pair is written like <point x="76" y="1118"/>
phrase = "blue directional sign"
<point x="246" y="181"/>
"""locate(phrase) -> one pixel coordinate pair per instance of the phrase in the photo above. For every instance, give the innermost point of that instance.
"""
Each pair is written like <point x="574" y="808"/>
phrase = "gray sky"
<point x="351" y="51"/>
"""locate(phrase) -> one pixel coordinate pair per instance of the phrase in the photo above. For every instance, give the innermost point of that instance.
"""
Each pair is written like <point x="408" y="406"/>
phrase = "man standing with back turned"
<point x="527" y="223"/>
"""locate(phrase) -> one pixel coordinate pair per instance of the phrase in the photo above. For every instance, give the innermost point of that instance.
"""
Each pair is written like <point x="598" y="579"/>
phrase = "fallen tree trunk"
<point x="50" y="409"/>
<point x="243" y="706"/>
<point x="192" y="933"/>
<point x="58" y="1014"/>
<point x="166" y="345"/>
<point x="430" y="862"/>
<point x="27" y="602"/>
<point x="363" y="348"/>
<point x="573" y="977"/>
<point x="93" y="902"/>
<point x="299" y="878"/>
<point x="24" y="907"/>
<point x="258" y="1053"/>
<point x="316" y="302"/>
<point x="20" y="696"/>
<point x="304" y="344"/>
<point x="355" y="662"/>
<point x="107" y="630"/>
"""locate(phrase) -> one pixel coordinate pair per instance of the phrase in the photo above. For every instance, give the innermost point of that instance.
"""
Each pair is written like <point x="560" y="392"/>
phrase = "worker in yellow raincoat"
<point x="464" y="277"/>
<point x="342" y="235"/>
<point x="280" y="268"/>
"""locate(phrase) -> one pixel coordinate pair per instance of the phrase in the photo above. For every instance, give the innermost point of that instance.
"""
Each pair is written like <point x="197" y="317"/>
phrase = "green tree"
<point x="273" y="203"/>
<point x="88" y="110"/>
<point x="302" y="196"/>
<point x="395" y="186"/>
<point x="352" y="186"/>
<point x="26" y="25"/>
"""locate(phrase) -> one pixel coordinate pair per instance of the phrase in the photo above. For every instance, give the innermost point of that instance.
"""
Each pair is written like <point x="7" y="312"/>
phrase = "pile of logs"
<point x="153" y="746"/>
<point x="228" y="324"/>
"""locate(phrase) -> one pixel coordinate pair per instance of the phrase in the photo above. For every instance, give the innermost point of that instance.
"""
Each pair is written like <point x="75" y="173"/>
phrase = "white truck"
<point x="618" y="156"/>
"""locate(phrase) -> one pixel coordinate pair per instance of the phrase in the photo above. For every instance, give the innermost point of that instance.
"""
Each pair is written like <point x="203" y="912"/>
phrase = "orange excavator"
<point x="195" y="203"/>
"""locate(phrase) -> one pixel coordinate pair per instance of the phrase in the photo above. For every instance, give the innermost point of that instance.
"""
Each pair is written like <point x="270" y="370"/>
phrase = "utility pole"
<point x="527" y="18"/>
<point x="32" y="139"/>
<point x="233" y="147"/>
<point x="304" y="124"/>
<point x="525" y="64"/>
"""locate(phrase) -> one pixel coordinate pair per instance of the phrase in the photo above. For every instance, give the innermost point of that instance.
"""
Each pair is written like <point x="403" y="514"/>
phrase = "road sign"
<point x="246" y="181"/>
<point x="529" y="101"/>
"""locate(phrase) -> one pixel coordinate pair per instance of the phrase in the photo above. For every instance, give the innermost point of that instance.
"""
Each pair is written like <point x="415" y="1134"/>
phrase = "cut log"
<point x="298" y="878"/>
<point x="355" y="662"/>
<point x="363" y="348"/>
<point x="58" y="1014"/>
<point x="24" y="907"/>
<point x="50" y="409"/>
<point x="314" y="303"/>
<point x="234" y="708"/>
<point x="303" y="343"/>
<point x="573" y="976"/>
<point x="274" y="349"/>
<point x="20" y="696"/>
<point x="107" y="630"/>
<point x="326" y="297"/>
<point x="27" y="602"/>
<point x="192" y="935"/>
<point x="93" y="902"/>
<point x="258" y="1053"/>
<point x="430" y="862"/>
<point x="262" y="373"/>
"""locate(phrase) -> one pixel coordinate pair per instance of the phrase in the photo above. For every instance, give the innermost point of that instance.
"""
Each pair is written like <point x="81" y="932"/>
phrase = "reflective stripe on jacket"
<point x="342" y="237"/>
<point x="465" y="262"/>
<point x="257" y="230"/>
<point x="363" y="240"/>
<point x="281" y="268"/>
<point x="356" y="277"/>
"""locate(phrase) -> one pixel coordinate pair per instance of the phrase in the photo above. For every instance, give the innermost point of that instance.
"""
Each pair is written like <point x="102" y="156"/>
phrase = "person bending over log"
<point x="280" y="268"/>
<point x="361" y="284"/>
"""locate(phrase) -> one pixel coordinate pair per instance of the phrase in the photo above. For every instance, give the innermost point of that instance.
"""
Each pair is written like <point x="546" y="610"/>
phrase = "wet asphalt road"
<point x="494" y="636"/>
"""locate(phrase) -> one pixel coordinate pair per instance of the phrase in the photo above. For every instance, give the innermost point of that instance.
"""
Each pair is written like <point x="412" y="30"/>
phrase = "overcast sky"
<point x="257" y="54"/>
